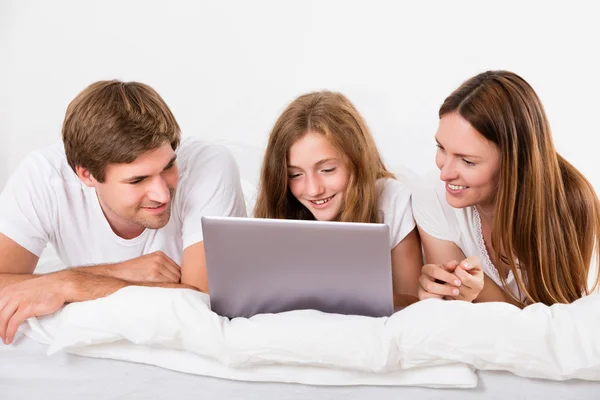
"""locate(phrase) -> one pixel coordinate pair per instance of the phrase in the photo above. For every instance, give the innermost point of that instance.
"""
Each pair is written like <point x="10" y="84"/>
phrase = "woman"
<point x="506" y="197"/>
<point x="321" y="163"/>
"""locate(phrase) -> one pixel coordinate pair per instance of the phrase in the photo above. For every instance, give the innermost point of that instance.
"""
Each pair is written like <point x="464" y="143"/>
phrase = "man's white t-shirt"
<point x="461" y="226"/>
<point x="45" y="202"/>
<point x="393" y="200"/>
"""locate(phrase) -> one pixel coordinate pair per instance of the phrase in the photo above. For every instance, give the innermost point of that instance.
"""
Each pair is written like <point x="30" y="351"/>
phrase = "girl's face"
<point x="469" y="163"/>
<point x="317" y="176"/>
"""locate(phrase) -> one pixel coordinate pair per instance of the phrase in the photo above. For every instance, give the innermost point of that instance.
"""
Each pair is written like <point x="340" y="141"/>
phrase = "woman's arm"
<point x="438" y="251"/>
<point x="441" y="252"/>
<point x="492" y="292"/>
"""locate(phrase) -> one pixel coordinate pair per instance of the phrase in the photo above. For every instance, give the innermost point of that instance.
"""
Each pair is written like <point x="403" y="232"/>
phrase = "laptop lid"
<point x="258" y="266"/>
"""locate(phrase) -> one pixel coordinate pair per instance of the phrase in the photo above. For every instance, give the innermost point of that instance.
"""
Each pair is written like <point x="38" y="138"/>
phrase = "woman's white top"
<point x="462" y="226"/>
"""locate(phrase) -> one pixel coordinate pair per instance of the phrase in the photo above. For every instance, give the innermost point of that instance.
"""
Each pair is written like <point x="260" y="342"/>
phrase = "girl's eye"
<point x="328" y="170"/>
<point x="468" y="162"/>
<point x="440" y="147"/>
<point x="293" y="176"/>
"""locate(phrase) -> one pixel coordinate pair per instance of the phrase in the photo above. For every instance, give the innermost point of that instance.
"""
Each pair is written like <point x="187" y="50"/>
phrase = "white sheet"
<point x="432" y="343"/>
<point x="154" y="325"/>
<point x="558" y="342"/>
<point x="26" y="372"/>
<point x="170" y="313"/>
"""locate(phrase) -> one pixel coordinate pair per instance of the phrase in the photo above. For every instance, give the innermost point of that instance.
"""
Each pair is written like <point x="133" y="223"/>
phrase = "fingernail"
<point x="457" y="283"/>
<point x="455" y="292"/>
<point x="465" y="264"/>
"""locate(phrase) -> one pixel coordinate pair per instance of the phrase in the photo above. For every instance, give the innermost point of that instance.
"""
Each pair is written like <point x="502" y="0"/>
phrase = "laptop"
<point x="258" y="266"/>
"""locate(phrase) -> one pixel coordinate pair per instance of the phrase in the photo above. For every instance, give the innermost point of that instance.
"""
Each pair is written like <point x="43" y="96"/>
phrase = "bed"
<point x="26" y="372"/>
<point x="120" y="347"/>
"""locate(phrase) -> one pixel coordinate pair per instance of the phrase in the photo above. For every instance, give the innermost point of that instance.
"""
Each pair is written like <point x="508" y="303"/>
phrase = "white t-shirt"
<point x="45" y="202"/>
<point x="393" y="199"/>
<point x="461" y="226"/>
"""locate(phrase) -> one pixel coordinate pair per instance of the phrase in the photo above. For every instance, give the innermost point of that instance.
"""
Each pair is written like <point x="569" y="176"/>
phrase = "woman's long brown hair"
<point x="334" y="116"/>
<point x="547" y="214"/>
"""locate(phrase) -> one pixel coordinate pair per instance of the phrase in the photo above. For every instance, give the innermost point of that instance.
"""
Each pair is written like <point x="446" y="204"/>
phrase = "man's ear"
<point x="86" y="176"/>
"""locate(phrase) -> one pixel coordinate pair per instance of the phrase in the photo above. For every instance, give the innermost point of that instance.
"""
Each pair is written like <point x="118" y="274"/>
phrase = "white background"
<point x="228" y="68"/>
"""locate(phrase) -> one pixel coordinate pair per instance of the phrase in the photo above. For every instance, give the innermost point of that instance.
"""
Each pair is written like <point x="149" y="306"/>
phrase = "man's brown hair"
<point x="113" y="122"/>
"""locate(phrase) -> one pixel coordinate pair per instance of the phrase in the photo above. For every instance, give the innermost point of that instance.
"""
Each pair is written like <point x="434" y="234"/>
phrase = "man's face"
<point x="138" y="195"/>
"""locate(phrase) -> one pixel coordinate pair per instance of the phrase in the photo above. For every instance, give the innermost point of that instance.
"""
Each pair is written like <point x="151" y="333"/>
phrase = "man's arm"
<point x="213" y="188"/>
<point x="153" y="267"/>
<point x="16" y="263"/>
<point x="47" y="293"/>
<point x="193" y="267"/>
<point x="24" y="295"/>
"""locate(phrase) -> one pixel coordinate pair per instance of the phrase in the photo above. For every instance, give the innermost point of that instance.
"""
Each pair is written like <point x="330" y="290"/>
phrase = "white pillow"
<point x="558" y="342"/>
<point x="175" y="329"/>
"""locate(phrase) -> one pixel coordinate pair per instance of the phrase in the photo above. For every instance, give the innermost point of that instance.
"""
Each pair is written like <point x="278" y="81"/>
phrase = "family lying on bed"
<point x="120" y="199"/>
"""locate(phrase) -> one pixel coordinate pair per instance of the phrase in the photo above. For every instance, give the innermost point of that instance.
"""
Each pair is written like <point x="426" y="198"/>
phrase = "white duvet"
<point x="432" y="343"/>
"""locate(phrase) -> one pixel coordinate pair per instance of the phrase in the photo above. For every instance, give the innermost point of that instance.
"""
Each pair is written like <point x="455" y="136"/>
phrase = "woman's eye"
<point x="468" y="162"/>
<point x="328" y="170"/>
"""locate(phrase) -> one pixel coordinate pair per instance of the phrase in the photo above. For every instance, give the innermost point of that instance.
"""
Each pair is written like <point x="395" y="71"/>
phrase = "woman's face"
<point x="469" y="163"/>
<point x="317" y="176"/>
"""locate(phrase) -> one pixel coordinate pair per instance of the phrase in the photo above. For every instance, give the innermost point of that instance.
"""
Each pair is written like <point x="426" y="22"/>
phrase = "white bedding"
<point x="432" y="343"/>
<point x="154" y="325"/>
<point x="175" y="329"/>
<point x="26" y="372"/>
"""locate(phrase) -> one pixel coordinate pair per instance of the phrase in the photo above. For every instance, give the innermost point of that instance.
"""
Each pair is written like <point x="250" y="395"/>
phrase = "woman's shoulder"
<point x="434" y="215"/>
<point x="429" y="187"/>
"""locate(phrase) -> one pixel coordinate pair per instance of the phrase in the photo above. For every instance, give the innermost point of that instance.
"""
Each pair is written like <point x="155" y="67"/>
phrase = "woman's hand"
<point x="471" y="276"/>
<point x="436" y="282"/>
<point x="452" y="281"/>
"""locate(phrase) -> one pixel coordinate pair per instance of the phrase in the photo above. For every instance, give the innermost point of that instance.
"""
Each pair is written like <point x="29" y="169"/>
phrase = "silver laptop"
<point x="258" y="266"/>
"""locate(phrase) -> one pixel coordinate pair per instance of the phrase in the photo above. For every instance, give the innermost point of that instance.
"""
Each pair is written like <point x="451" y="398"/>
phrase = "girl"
<point x="321" y="163"/>
<point x="507" y="197"/>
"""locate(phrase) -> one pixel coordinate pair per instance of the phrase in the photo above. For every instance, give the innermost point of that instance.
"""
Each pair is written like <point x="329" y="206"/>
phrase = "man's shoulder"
<point x="47" y="164"/>
<point x="193" y="147"/>
<point x="195" y="156"/>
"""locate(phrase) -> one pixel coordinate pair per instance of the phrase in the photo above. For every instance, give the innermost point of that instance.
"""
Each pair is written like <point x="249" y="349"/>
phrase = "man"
<point x="119" y="199"/>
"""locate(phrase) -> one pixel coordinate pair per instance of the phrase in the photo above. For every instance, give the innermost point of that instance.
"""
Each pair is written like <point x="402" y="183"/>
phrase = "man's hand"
<point x="153" y="267"/>
<point x="438" y="281"/>
<point x="23" y="300"/>
<point x="471" y="277"/>
<point x="48" y="293"/>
